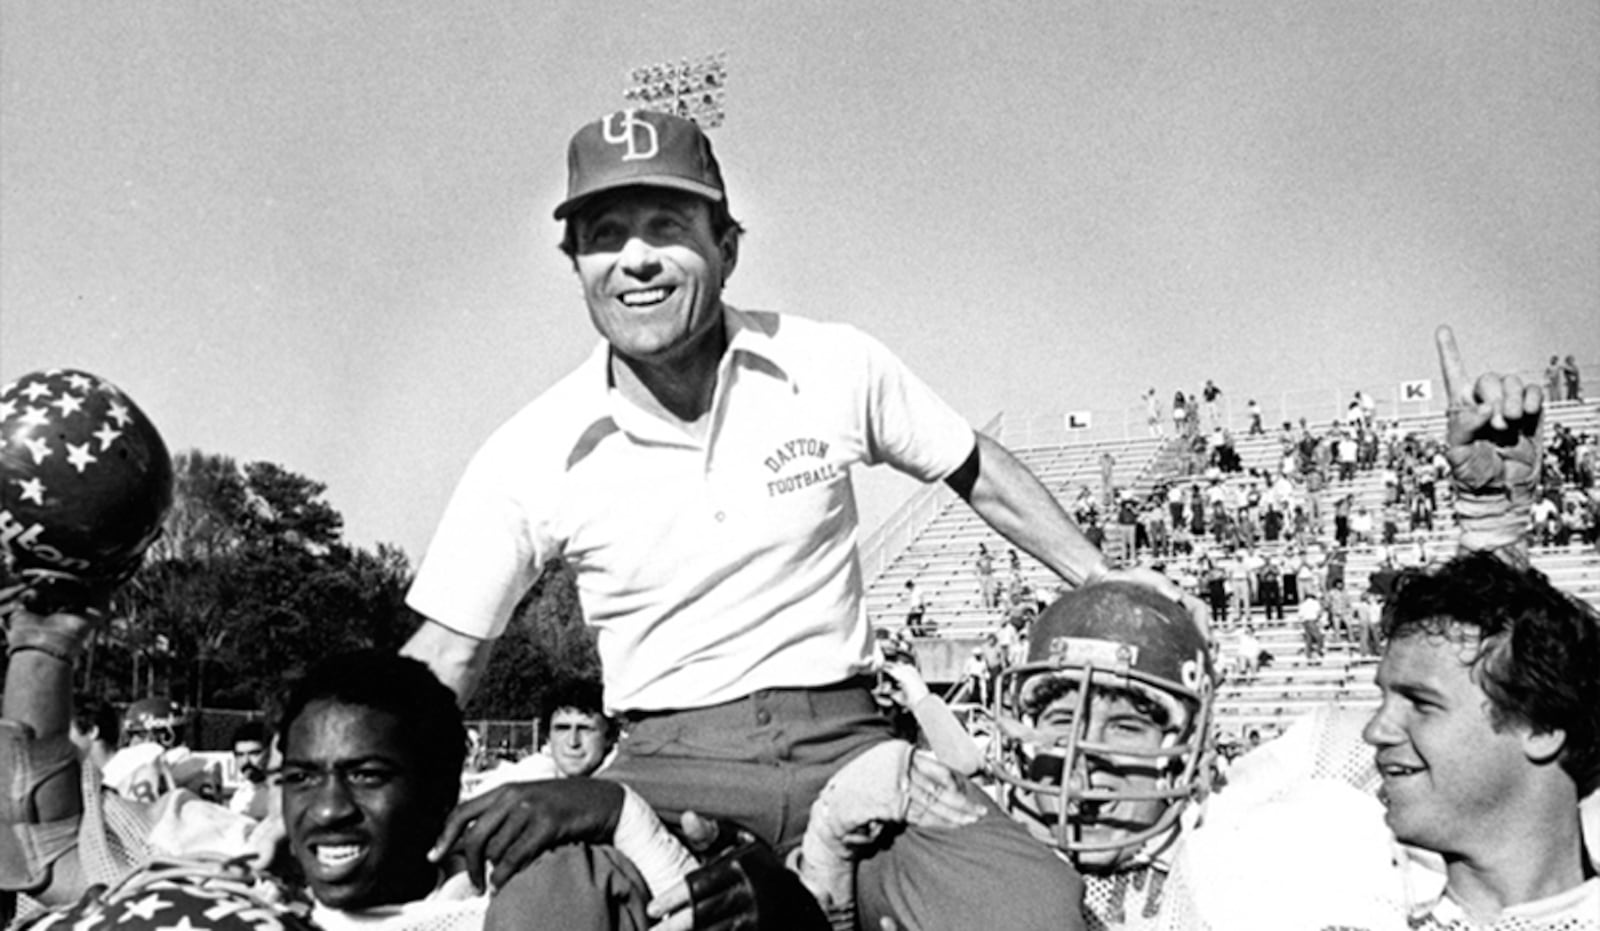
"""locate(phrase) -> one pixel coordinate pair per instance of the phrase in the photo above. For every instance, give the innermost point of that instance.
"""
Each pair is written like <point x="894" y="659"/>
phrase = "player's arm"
<point x="41" y="804"/>
<point x="457" y="659"/>
<point x="1013" y="501"/>
<point x="1493" y="445"/>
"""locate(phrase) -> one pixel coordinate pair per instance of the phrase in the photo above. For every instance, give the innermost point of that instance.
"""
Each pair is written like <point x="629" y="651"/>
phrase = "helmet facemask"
<point x="1100" y="758"/>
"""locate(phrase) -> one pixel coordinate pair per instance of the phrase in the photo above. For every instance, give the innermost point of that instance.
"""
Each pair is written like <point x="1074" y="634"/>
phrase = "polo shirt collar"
<point x="751" y="346"/>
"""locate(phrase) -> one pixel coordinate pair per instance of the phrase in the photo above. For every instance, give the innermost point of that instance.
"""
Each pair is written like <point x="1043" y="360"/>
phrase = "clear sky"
<point x="317" y="231"/>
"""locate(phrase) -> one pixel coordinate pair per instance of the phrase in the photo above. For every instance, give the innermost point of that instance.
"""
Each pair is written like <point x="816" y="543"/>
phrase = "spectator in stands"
<point x="1290" y="579"/>
<point x="1352" y="412"/>
<point x="974" y="673"/>
<point x="1576" y="522"/>
<point x="1334" y="569"/>
<point x="1250" y="651"/>
<point x="1314" y="644"/>
<point x="1361" y="529"/>
<point x="1239" y="575"/>
<point x="1211" y="393"/>
<point x="1572" y="379"/>
<point x="1153" y="414"/>
<point x="1180" y="412"/>
<point x="96" y="729"/>
<point x="1546" y="518"/>
<point x="1339" y="610"/>
<point x="1269" y="586"/>
<point x="1391" y="525"/>
<point x="253" y="797"/>
<point x="1364" y="618"/>
<point x="1421" y="511"/>
<point x="994" y="660"/>
<point x="1254" y="409"/>
<point x="916" y="608"/>
<point x="1308" y="579"/>
<point x="1554" y="379"/>
<point x="1007" y="636"/>
<point x="1341" y="520"/>
<point x="1348" y="450"/>
<point x="988" y="588"/>
<point x="1214" y="582"/>
<point x="1369" y="407"/>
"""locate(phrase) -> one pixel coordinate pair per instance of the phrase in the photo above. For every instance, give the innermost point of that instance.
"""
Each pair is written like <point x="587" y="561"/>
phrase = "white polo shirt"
<point x="710" y="570"/>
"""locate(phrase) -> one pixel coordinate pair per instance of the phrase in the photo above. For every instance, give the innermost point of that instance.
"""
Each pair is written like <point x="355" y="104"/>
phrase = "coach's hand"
<point x="1152" y="579"/>
<point x="511" y="825"/>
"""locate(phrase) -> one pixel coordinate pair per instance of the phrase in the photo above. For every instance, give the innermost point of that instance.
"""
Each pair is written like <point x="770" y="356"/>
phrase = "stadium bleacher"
<point x="940" y="558"/>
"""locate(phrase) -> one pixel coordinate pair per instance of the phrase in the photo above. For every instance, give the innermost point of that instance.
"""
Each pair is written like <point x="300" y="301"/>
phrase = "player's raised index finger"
<point x="1450" y="367"/>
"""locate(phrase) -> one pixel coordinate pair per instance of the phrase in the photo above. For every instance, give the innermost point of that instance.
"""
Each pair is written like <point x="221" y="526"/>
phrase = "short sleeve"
<point x="485" y="554"/>
<point x="909" y="426"/>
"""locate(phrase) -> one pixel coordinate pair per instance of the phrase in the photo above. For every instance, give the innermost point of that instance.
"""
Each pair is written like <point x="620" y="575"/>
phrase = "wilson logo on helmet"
<point x="85" y="479"/>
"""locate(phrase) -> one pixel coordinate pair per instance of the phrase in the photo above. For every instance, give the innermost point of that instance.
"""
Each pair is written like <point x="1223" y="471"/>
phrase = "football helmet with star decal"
<point x="1104" y="728"/>
<point x="187" y="895"/>
<point x="85" y="483"/>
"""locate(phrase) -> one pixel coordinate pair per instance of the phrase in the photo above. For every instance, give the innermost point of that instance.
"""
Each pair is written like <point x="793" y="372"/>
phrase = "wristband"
<point x="1491" y="521"/>
<point x="60" y="644"/>
<point x="38" y="648"/>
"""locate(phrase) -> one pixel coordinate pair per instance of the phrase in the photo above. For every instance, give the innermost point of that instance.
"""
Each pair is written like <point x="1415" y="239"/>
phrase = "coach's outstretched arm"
<point x="457" y="659"/>
<point x="1016" y="504"/>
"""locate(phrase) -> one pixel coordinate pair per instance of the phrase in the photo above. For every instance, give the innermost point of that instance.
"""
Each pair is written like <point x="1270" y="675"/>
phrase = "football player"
<point x="1103" y="744"/>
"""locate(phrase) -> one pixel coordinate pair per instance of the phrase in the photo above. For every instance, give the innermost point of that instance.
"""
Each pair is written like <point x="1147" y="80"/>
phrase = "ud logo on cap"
<point x="624" y="134"/>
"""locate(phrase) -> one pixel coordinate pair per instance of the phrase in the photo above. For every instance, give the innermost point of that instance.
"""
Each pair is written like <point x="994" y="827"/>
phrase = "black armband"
<point x="965" y="477"/>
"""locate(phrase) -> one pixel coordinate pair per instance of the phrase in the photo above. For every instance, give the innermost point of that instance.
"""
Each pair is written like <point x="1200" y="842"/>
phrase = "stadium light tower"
<point x="691" y="89"/>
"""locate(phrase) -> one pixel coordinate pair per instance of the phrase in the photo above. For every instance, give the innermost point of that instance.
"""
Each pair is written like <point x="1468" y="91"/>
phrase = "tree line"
<point x="252" y="580"/>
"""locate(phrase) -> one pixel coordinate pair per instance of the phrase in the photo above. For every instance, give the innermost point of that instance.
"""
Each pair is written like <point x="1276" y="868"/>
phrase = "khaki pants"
<point x="761" y="760"/>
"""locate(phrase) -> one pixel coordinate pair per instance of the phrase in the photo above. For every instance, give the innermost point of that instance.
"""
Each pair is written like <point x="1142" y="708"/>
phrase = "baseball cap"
<point x="640" y="147"/>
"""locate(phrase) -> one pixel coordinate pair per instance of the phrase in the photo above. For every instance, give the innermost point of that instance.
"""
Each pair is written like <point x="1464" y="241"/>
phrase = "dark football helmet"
<point x="85" y="481"/>
<point x="1103" y="731"/>
<point x="156" y="719"/>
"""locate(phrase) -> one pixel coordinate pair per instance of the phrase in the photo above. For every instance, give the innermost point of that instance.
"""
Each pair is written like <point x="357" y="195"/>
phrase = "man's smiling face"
<point x="1447" y="766"/>
<point x="652" y="271"/>
<point x="360" y="820"/>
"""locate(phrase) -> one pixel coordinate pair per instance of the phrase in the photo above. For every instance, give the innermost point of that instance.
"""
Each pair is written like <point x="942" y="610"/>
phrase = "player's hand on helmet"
<point x="1150" y="578"/>
<point x="511" y="825"/>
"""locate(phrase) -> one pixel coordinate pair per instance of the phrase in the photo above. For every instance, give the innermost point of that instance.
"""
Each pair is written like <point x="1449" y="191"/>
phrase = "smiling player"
<point x="1104" y="730"/>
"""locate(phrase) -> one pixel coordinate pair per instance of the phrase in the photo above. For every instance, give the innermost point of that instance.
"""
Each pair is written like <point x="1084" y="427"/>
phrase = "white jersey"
<point x="1298" y="842"/>
<point x="1577" y="909"/>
